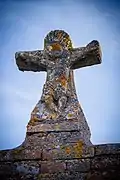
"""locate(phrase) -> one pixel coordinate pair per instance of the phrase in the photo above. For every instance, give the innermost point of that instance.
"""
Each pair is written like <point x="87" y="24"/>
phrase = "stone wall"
<point x="60" y="150"/>
<point x="101" y="162"/>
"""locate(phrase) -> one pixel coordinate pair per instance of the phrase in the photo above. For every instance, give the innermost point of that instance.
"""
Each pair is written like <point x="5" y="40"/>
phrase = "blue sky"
<point x="23" y="26"/>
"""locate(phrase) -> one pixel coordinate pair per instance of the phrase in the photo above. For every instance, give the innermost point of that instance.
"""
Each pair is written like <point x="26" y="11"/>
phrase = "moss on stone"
<point x="17" y="151"/>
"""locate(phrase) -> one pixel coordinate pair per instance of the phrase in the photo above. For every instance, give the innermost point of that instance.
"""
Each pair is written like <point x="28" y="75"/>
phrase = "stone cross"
<point x="57" y="143"/>
<point x="58" y="59"/>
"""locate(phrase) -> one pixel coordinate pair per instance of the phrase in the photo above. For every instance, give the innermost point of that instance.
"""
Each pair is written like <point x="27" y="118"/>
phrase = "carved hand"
<point x="30" y="61"/>
<point x="94" y="48"/>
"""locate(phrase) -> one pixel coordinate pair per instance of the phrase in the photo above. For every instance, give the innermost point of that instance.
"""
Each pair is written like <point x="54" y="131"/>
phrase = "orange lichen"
<point x="56" y="46"/>
<point x="68" y="150"/>
<point x="61" y="37"/>
<point x="63" y="80"/>
<point x="78" y="149"/>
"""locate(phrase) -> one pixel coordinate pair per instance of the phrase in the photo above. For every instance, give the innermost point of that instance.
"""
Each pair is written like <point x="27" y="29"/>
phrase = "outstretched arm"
<point x="86" y="56"/>
<point x="31" y="60"/>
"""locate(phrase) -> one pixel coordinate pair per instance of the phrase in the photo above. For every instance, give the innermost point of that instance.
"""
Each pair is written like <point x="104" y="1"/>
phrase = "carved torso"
<point x="57" y="69"/>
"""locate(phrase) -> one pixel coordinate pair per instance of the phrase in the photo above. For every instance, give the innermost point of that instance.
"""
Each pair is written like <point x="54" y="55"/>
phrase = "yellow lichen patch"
<point x="49" y="97"/>
<point x="69" y="79"/>
<point x="78" y="149"/>
<point x="53" y="115"/>
<point x="17" y="151"/>
<point x="33" y="120"/>
<point x="41" y="176"/>
<point x="57" y="127"/>
<point x="63" y="82"/>
<point x="31" y="123"/>
<point x="70" y="115"/>
<point x="62" y="147"/>
<point x="50" y="48"/>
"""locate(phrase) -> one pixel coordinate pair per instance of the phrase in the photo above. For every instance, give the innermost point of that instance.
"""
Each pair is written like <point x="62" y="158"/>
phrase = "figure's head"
<point x="56" y="42"/>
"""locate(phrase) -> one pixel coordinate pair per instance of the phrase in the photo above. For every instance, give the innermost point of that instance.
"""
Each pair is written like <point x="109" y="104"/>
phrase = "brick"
<point x="21" y="153"/>
<point x="106" y="162"/>
<point x="52" y="167"/>
<point x="81" y="165"/>
<point x="68" y="151"/>
<point x="62" y="126"/>
<point x="107" y="149"/>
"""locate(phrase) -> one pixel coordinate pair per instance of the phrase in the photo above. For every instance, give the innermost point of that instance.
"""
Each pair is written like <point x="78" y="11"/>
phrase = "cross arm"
<point x="86" y="56"/>
<point x="31" y="60"/>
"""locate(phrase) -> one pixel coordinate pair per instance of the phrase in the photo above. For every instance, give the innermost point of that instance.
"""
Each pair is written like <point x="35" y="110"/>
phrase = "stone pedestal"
<point x="59" y="149"/>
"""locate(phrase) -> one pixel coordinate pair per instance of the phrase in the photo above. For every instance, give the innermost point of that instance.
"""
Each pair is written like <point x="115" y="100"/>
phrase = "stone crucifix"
<point x="58" y="59"/>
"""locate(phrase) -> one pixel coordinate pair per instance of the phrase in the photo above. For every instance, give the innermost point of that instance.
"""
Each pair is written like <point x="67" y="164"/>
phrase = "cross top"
<point x="58" y="37"/>
<point x="58" y="59"/>
<point x="56" y="43"/>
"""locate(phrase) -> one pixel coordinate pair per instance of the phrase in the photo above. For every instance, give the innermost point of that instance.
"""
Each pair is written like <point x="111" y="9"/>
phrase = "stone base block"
<point x="104" y="164"/>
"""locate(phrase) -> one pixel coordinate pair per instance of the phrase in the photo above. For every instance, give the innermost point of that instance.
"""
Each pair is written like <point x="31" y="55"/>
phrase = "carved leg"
<point x="51" y="106"/>
<point x="62" y="103"/>
<point x="49" y="103"/>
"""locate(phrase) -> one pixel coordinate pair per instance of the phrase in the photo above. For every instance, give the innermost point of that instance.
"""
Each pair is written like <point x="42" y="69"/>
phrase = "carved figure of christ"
<point x="59" y="63"/>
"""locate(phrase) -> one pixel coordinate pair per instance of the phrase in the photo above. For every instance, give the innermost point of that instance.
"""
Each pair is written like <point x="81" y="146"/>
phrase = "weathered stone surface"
<point x="4" y="155"/>
<point x="111" y="174"/>
<point x="63" y="176"/>
<point x="77" y="129"/>
<point x="7" y="168"/>
<point x="103" y="175"/>
<point x="52" y="167"/>
<point x="52" y="139"/>
<point x="68" y="151"/>
<point x="107" y="149"/>
<point x="28" y="167"/>
<point x="97" y="167"/>
<point x="81" y="165"/>
<point x="21" y="153"/>
<point x="57" y="144"/>
<point x="63" y="126"/>
<point x="19" y="170"/>
<point x="58" y="109"/>
<point x="58" y="59"/>
<point x="106" y="162"/>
